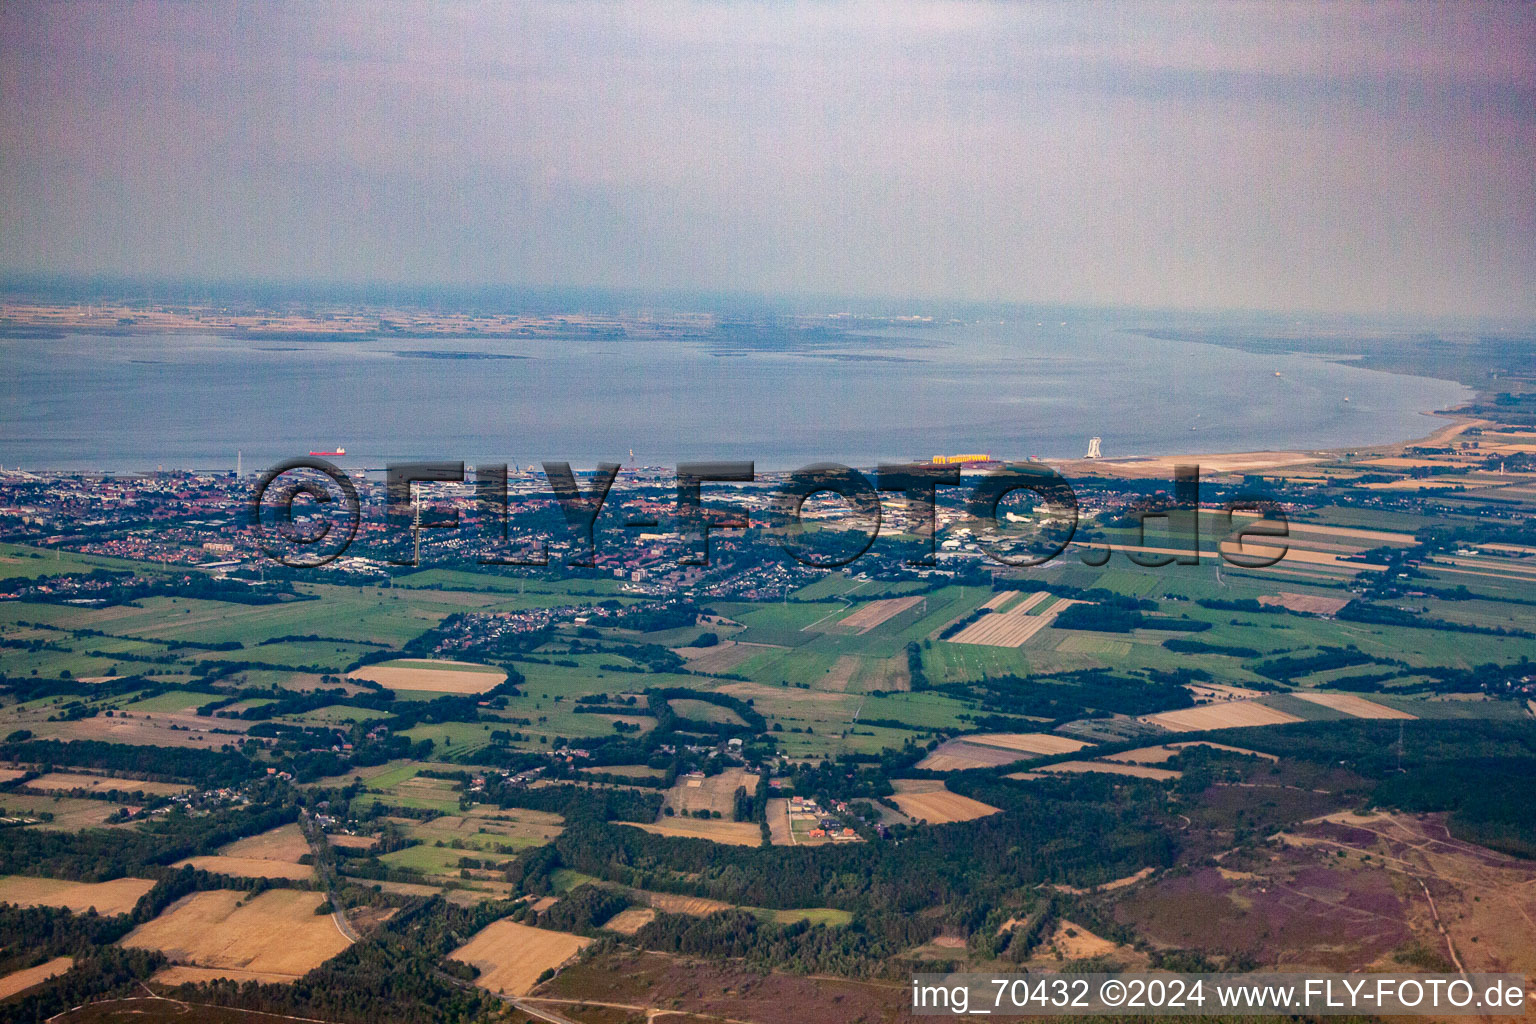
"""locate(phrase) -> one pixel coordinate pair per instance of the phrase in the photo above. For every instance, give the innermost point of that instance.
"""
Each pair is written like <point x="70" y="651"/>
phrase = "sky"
<point x="1378" y="158"/>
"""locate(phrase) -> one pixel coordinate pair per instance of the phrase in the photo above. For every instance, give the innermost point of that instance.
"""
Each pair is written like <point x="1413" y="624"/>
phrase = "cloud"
<point x="1375" y="157"/>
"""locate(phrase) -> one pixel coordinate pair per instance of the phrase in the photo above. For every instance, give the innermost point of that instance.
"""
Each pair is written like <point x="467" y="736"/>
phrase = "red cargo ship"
<point x="338" y="451"/>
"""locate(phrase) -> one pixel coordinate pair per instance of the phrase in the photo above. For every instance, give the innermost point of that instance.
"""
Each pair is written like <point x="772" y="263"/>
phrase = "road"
<point x="317" y="847"/>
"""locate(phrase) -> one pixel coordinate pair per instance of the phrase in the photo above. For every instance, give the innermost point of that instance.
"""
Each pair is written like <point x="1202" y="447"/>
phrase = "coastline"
<point x="358" y="327"/>
<point x="1136" y="467"/>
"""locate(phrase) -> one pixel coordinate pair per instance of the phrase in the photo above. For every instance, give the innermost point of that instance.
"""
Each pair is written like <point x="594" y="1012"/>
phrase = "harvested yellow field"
<point x="10" y="774"/>
<point x="1252" y="549"/>
<point x="1011" y="628"/>
<point x="1076" y="942"/>
<point x="436" y="676"/>
<point x="629" y="771"/>
<point x="958" y="755"/>
<point x="841" y="673"/>
<point x="115" y="897"/>
<point x="284" y="843"/>
<point x="1311" y="604"/>
<point x="55" y="782"/>
<point x="511" y="956"/>
<point x="671" y="903"/>
<point x="20" y="981"/>
<point x="872" y="613"/>
<point x="181" y="974"/>
<point x="1139" y="771"/>
<point x="1168" y="751"/>
<point x="352" y="842"/>
<point x="159" y="730"/>
<point x="1518" y="566"/>
<point x="276" y="933"/>
<point x="928" y="800"/>
<point x="272" y="854"/>
<point x="955" y="761"/>
<point x="1162" y="466"/>
<point x="630" y="920"/>
<point x="1028" y="742"/>
<point x="1399" y="462"/>
<point x="247" y="867"/>
<point x="780" y="829"/>
<point x="1436" y="484"/>
<point x="1349" y="704"/>
<point x="1143" y="755"/>
<point x="1232" y="714"/>
<point x="731" y="833"/>
<point x="713" y="793"/>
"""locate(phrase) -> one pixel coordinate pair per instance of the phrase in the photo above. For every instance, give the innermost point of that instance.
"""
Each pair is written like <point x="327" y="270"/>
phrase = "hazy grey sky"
<point x="1373" y="158"/>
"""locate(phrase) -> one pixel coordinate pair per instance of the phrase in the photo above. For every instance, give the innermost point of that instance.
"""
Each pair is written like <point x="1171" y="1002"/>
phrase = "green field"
<point x="170" y="701"/>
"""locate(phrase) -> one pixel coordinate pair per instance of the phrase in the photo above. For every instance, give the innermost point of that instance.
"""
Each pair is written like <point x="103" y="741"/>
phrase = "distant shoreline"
<point x="993" y="401"/>
<point x="1143" y="466"/>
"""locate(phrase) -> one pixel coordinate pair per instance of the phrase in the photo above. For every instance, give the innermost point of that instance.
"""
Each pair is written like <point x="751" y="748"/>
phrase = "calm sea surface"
<point x="1010" y="389"/>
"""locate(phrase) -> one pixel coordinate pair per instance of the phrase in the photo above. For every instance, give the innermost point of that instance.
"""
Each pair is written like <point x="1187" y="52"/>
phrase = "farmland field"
<point x="1018" y="625"/>
<point x="630" y="920"/>
<point x="418" y="793"/>
<point x="715" y="793"/>
<point x="20" y="981"/>
<point x="872" y="613"/>
<point x="511" y="956"/>
<point x="1029" y="742"/>
<point x="1311" y="604"/>
<point x="1109" y="767"/>
<point x="102" y="784"/>
<point x="173" y="701"/>
<point x="1171" y="843"/>
<point x="1356" y="707"/>
<point x="1168" y="751"/>
<point x="779" y="826"/>
<point x="928" y="800"/>
<point x="1224" y="715"/>
<point x="115" y="897"/>
<point x="958" y="755"/>
<point x="672" y="903"/>
<point x="276" y="933"/>
<point x="491" y="830"/>
<point x="272" y="854"/>
<point x="248" y="867"/>
<point x="68" y="813"/>
<point x="1003" y="629"/>
<point x="432" y="676"/>
<point x="182" y="974"/>
<point x="285" y="843"/>
<point x="723" y="657"/>
<point x="732" y="833"/>
<point x="704" y="711"/>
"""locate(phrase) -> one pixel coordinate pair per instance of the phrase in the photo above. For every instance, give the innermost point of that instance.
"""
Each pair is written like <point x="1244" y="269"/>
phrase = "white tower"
<point x="1093" y="448"/>
<point x="416" y="532"/>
